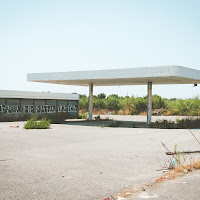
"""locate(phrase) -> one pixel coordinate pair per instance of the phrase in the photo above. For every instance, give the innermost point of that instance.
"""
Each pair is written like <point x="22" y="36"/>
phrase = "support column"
<point x="149" y="102"/>
<point x="90" y="100"/>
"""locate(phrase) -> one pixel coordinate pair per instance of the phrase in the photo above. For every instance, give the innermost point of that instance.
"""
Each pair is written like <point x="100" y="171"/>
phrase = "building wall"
<point x="16" y="107"/>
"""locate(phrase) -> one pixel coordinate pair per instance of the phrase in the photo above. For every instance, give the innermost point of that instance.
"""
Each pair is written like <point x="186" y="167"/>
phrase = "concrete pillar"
<point x="90" y="100"/>
<point x="149" y="102"/>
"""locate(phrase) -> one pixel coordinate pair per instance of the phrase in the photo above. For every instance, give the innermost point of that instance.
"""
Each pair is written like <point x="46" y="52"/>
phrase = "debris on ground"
<point x="97" y="117"/>
<point x="165" y="170"/>
<point x="160" y="111"/>
<point x="109" y="198"/>
<point x="121" y="198"/>
<point x="188" y="152"/>
<point x="168" y="177"/>
<point x="6" y="159"/>
<point x="14" y="126"/>
<point x="183" y="182"/>
<point x="68" y="177"/>
<point x="145" y="195"/>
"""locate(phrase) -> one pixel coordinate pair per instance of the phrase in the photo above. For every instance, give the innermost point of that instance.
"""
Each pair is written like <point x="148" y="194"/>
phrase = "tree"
<point x="101" y="96"/>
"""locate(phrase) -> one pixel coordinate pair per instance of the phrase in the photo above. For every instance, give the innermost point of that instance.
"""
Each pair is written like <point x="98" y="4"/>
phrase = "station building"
<point x="20" y="104"/>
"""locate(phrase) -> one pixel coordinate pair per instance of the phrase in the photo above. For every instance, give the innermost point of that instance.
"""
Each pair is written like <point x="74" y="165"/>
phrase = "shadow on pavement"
<point x="107" y="123"/>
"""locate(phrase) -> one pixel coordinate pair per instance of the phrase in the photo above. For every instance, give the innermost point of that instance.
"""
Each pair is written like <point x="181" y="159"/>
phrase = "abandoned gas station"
<point x="114" y="77"/>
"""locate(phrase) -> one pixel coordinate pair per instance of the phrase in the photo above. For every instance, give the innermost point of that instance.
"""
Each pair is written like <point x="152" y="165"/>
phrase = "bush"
<point x="99" y="103"/>
<point x="33" y="123"/>
<point x="83" y="115"/>
<point x="113" y="102"/>
<point x="158" y="102"/>
<point x="137" y="105"/>
<point x="84" y="102"/>
<point x="101" y="96"/>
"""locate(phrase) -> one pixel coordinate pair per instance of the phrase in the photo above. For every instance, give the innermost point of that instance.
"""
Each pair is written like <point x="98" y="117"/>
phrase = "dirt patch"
<point x="159" y="112"/>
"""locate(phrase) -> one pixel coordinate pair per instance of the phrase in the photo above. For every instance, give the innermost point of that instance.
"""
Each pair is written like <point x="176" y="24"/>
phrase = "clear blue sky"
<point x="51" y="36"/>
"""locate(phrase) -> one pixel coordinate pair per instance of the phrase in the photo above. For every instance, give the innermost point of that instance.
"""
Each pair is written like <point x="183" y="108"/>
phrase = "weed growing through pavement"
<point x="179" y="164"/>
<point x="34" y="123"/>
<point x="83" y="115"/>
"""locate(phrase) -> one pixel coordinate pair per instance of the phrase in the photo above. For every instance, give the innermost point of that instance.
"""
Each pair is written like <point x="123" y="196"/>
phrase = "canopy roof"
<point x="37" y="95"/>
<point x="128" y="76"/>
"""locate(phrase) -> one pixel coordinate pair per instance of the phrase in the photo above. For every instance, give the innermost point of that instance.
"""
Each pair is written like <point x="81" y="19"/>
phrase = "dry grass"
<point x="190" y="167"/>
<point x="172" y="174"/>
<point x="124" y="112"/>
<point x="180" y="170"/>
<point x="196" y="164"/>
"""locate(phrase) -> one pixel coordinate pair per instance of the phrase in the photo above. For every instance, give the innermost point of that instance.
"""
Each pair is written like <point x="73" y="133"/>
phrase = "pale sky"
<point x="55" y="36"/>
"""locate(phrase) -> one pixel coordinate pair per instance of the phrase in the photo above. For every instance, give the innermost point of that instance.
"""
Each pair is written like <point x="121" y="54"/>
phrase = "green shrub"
<point x="84" y="102"/>
<point x="157" y="102"/>
<point x="113" y="102"/>
<point x="101" y="96"/>
<point x="83" y="115"/>
<point x="99" y="103"/>
<point x="34" y="123"/>
<point x="136" y="105"/>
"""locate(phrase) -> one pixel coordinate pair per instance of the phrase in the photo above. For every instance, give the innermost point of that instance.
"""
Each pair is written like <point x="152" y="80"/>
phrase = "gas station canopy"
<point x="129" y="76"/>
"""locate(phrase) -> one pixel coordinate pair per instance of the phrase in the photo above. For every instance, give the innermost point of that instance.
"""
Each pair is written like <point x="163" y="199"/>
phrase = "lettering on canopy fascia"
<point x="38" y="109"/>
<point x="157" y="70"/>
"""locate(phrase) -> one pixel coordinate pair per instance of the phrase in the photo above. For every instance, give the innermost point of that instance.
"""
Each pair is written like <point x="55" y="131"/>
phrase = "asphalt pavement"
<point x="77" y="162"/>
